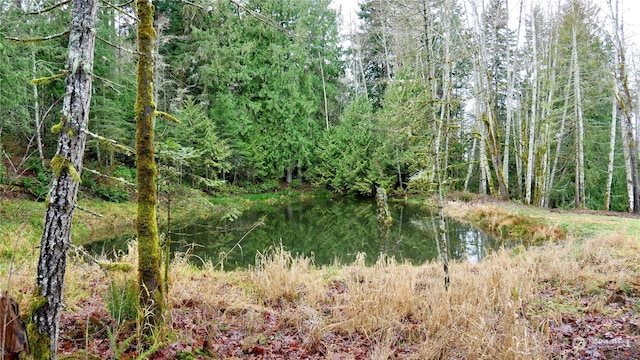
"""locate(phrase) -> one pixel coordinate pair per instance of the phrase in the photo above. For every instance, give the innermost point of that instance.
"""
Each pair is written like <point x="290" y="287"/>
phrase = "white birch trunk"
<point x="534" y="109"/>
<point x="471" y="162"/>
<point x="580" y="178"/>
<point x="67" y="165"/>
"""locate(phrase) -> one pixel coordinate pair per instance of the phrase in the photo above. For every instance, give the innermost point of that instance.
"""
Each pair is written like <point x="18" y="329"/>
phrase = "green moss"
<point x="57" y="128"/>
<point x="48" y="79"/>
<point x="168" y="117"/>
<point x="37" y="300"/>
<point x="59" y="163"/>
<point x="39" y="343"/>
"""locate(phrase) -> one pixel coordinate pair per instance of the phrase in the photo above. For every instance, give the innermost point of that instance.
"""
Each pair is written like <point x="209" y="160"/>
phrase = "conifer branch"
<point x="40" y="39"/>
<point x="50" y="8"/>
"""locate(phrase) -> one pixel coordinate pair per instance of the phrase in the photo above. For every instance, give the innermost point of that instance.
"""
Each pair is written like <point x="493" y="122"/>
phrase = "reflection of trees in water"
<point x="328" y="230"/>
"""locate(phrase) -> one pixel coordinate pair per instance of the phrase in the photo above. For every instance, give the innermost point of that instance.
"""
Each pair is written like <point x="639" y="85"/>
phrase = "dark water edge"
<point x="331" y="231"/>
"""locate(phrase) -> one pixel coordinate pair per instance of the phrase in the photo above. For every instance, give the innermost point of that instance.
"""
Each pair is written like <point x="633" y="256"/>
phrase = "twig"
<point x="116" y="46"/>
<point x="88" y="211"/>
<point x="50" y="8"/>
<point x="258" y="223"/>
<point x="117" y="7"/>
<point x="108" y="177"/>
<point x="109" y="141"/>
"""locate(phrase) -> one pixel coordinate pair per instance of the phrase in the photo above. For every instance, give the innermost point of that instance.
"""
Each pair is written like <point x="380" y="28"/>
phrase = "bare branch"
<point x="97" y="173"/>
<point x="115" y="46"/>
<point x="50" y="8"/>
<point x="88" y="211"/>
<point x="117" y="7"/>
<point x="110" y="142"/>
<point x="108" y="83"/>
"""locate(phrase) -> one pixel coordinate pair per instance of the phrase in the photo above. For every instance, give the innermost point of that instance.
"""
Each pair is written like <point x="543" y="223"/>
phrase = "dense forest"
<point x="516" y="99"/>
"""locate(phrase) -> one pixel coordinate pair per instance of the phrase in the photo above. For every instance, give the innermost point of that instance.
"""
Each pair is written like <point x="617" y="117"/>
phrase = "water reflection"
<point x="330" y="231"/>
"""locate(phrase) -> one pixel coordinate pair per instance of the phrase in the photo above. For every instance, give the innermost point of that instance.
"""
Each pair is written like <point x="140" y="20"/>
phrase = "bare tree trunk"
<point x="534" y="109"/>
<point x="66" y="165"/>
<point x="510" y="96"/>
<point x="150" y="257"/>
<point x="612" y="144"/>
<point x="580" y="179"/>
<point x="544" y="174"/>
<point x="625" y="102"/>
<point x="484" y="95"/>
<point x="36" y="110"/>
<point x="519" y="147"/>
<point x="471" y="162"/>
<point x="324" y="94"/>
<point x="560" y="135"/>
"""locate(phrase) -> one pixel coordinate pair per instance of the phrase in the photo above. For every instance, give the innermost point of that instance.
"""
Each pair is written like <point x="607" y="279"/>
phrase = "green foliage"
<point x="38" y="183"/>
<point x="261" y="83"/>
<point x="125" y="172"/>
<point x="112" y="194"/>
<point x="122" y="301"/>
<point x="351" y="156"/>
<point x="193" y="150"/>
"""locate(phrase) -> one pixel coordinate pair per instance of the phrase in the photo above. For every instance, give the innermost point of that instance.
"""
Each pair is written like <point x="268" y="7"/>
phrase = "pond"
<point x="329" y="230"/>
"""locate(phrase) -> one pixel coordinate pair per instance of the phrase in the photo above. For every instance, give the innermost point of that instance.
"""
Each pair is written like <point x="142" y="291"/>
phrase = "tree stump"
<point x="13" y="332"/>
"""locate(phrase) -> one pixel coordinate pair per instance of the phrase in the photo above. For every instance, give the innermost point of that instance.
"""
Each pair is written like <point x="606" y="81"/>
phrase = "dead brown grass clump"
<point x="506" y="224"/>
<point x="398" y="308"/>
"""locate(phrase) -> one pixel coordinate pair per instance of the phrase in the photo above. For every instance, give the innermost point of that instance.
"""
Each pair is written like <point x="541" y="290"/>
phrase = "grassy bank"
<point x="575" y="297"/>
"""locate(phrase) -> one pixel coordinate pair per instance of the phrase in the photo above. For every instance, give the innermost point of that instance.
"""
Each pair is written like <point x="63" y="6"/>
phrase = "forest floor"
<point x="574" y="293"/>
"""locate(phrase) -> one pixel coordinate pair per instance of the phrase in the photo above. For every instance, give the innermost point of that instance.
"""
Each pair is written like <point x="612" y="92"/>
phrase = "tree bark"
<point x="625" y="103"/>
<point x="67" y="165"/>
<point x="534" y="105"/>
<point x="579" y="138"/>
<point x="150" y="257"/>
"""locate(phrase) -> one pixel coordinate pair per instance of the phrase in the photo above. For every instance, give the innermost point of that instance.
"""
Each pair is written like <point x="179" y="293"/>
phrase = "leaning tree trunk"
<point x="150" y="257"/>
<point x="66" y="165"/>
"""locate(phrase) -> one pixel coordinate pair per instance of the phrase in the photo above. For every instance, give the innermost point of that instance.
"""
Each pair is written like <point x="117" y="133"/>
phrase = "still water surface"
<point x="329" y="230"/>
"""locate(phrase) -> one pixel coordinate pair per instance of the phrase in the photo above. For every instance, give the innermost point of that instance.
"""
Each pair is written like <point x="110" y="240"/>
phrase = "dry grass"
<point x="506" y="224"/>
<point x="501" y="308"/>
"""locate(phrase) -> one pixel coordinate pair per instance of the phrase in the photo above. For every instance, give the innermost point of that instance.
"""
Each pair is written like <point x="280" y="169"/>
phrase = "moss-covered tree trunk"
<point x="149" y="259"/>
<point x="67" y="164"/>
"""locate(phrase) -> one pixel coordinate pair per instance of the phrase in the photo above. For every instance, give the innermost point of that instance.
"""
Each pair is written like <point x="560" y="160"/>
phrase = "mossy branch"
<point x="94" y="172"/>
<point x="168" y="117"/>
<point x="50" y="8"/>
<point x="38" y="39"/>
<point x="48" y="79"/>
<point x="110" y="142"/>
